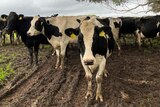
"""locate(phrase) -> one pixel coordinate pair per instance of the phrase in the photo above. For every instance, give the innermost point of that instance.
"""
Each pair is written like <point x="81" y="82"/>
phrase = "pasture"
<point x="133" y="80"/>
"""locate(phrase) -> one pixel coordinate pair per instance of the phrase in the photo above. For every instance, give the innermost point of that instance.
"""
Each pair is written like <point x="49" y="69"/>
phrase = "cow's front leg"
<point x="89" y="83"/>
<point x="99" y="78"/>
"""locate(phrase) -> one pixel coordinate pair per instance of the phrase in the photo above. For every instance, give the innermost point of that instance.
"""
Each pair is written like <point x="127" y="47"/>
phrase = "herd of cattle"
<point x="94" y="35"/>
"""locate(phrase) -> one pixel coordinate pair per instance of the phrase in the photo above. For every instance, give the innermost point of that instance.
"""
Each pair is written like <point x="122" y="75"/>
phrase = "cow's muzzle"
<point x="88" y="62"/>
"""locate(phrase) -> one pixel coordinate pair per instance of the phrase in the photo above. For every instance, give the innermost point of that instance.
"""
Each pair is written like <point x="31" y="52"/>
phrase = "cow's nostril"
<point x="89" y="62"/>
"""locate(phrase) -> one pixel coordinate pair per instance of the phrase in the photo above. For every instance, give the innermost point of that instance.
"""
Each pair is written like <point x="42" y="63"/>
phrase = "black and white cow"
<point x="115" y="25"/>
<point x="3" y="20"/>
<point x="53" y="28"/>
<point x="3" y="23"/>
<point x="128" y="26"/>
<point x="21" y="24"/>
<point x="96" y="44"/>
<point x="148" y="27"/>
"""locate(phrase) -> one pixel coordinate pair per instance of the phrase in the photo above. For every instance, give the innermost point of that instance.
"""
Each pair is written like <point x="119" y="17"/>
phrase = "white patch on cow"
<point x="158" y="24"/>
<point x="32" y="31"/>
<point x="55" y="41"/>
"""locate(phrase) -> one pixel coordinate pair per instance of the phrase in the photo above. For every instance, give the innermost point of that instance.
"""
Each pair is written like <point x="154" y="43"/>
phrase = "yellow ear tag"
<point x="20" y="18"/>
<point x="102" y="34"/>
<point x="73" y="36"/>
<point x="14" y="34"/>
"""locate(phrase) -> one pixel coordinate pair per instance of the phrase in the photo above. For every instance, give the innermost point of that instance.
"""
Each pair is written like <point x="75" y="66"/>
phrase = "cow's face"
<point x="36" y="26"/>
<point x="89" y="36"/>
<point x="12" y="20"/>
<point x="40" y="25"/>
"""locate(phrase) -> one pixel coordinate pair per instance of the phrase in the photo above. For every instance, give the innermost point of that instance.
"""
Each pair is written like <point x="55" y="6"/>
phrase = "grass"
<point x="5" y="71"/>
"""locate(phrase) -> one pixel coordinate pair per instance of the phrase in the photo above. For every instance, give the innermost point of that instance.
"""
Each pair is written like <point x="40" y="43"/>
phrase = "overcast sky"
<point x="68" y="7"/>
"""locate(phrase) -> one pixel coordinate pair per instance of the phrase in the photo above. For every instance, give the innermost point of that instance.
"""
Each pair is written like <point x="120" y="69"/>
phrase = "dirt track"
<point x="133" y="81"/>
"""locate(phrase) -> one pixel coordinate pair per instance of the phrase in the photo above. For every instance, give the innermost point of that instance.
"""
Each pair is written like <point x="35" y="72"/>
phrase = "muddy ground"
<point x="134" y="80"/>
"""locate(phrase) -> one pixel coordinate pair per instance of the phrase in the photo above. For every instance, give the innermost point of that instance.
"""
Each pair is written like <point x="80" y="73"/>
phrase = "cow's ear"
<point x="105" y="21"/>
<point x="104" y="30"/>
<point x="42" y="20"/>
<point x="55" y="15"/>
<point x="78" y="20"/>
<point x="73" y="33"/>
<point x="4" y="17"/>
<point x="21" y="16"/>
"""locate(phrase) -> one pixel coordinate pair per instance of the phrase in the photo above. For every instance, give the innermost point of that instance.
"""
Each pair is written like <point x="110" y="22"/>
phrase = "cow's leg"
<point x="88" y="75"/>
<point x="117" y="40"/>
<point x="58" y="58"/>
<point x="99" y="78"/>
<point x="63" y="52"/>
<point x="3" y="38"/>
<point x="11" y="38"/>
<point x="138" y="36"/>
<point x="36" y="48"/>
<point x="30" y="49"/>
<point x="18" y="40"/>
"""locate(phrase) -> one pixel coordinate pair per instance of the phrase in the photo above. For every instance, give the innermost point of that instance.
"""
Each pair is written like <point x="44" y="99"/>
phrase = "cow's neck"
<point x="48" y="31"/>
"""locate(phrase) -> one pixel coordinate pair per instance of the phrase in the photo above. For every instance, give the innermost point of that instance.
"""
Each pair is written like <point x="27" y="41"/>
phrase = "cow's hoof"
<point x="99" y="97"/>
<point x="88" y="95"/>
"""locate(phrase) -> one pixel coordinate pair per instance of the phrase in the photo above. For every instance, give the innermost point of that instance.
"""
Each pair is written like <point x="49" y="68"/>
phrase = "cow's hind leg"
<point x="36" y="48"/>
<point x="58" y="58"/>
<point x="30" y="49"/>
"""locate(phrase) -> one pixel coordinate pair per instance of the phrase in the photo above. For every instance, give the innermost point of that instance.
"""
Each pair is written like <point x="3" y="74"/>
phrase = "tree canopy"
<point x="154" y="5"/>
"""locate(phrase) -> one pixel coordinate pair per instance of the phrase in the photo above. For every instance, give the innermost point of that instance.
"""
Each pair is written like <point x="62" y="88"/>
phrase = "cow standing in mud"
<point x="96" y="44"/>
<point x="21" y="24"/>
<point x="148" y="27"/>
<point x="53" y="28"/>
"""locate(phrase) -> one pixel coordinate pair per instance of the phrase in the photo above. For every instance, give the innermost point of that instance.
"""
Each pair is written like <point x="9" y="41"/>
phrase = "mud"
<point x="133" y="80"/>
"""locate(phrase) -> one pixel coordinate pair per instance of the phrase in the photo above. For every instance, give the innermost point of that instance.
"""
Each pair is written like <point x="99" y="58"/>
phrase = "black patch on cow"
<point x="104" y="21"/>
<point x="129" y="25"/>
<point x="49" y="29"/>
<point x="55" y="15"/>
<point x="81" y="44"/>
<point x="38" y="25"/>
<point x="148" y="26"/>
<point x="117" y="25"/>
<point x="101" y="44"/>
<point x="69" y="31"/>
<point x="79" y="21"/>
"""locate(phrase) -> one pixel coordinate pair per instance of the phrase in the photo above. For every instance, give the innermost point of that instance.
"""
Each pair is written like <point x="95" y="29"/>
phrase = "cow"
<point x="128" y="26"/>
<point x="96" y="43"/>
<point x="115" y="25"/>
<point x="3" y="22"/>
<point x="148" y="27"/>
<point x="55" y="35"/>
<point x="21" y="24"/>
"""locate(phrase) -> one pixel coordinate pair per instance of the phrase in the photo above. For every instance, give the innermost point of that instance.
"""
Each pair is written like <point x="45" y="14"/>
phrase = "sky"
<point x="70" y="8"/>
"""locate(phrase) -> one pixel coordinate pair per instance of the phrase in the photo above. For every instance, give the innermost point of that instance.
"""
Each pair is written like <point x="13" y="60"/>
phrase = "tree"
<point x="154" y="5"/>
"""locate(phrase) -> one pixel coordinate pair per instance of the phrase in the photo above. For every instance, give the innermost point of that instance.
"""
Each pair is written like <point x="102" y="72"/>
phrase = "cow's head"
<point x="4" y="17"/>
<point x="89" y="36"/>
<point x="12" y="20"/>
<point x="39" y="25"/>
